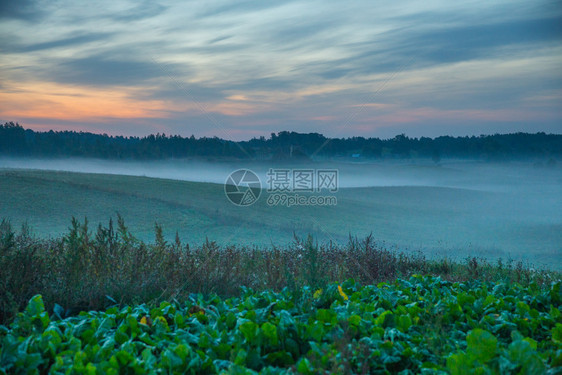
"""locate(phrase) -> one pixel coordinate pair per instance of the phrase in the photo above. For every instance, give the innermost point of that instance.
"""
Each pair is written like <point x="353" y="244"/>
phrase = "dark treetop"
<point x="17" y="141"/>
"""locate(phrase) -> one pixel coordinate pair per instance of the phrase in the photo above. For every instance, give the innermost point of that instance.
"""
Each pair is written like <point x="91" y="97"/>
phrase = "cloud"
<point x="41" y="101"/>
<point x="25" y="10"/>
<point x="226" y="8"/>
<point x="13" y="47"/>
<point x="140" y="11"/>
<point x="453" y="44"/>
<point x="429" y="45"/>
<point x="103" y="70"/>
<point x="297" y="65"/>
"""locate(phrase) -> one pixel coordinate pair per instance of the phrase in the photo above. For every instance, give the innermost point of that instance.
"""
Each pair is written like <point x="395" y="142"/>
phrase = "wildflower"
<point x="318" y="293"/>
<point x="342" y="293"/>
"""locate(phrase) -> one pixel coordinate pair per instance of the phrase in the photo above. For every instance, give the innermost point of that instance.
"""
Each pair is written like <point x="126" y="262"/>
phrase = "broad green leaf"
<point x="304" y="366"/>
<point x="557" y="333"/>
<point x="270" y="331"/>
<point x="481" y="344"/>
<point x="354" y="320"/>
<point x="404" y="323"/>
<point x="249" y="329"/>
<point x="459" y="364"/>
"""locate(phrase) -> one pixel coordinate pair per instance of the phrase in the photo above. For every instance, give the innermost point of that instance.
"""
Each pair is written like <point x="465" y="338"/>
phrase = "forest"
<point x="15" y="140"/>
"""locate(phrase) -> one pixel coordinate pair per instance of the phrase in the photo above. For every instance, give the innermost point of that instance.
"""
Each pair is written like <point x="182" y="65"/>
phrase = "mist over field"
<point x="525" y="177"/>
<point x="455" y="209"/>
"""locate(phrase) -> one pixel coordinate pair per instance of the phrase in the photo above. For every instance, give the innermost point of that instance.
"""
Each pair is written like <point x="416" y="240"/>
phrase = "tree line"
<point x="17" y="141"/>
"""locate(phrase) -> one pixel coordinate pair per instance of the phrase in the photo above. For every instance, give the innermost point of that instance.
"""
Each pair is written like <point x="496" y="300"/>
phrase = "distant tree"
<point x="17" y="141"/>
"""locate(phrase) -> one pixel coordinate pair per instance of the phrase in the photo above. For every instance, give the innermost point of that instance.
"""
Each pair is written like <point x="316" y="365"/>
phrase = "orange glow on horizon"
<point x="60" y="102"/>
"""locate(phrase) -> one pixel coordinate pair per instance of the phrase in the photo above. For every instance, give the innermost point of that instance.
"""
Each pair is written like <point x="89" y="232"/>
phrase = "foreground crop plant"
<point x="415" y="324"/>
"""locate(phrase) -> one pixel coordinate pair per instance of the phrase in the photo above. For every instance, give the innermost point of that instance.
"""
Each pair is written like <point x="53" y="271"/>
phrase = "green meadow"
<point x="441" y="221"/>
<point x="432" y="271"/>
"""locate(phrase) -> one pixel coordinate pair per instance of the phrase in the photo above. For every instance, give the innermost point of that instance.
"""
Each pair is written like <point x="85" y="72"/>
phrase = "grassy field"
<point x="128" y="297"/>
<point x="102" y="302"/>
<point x="441" y="221"/>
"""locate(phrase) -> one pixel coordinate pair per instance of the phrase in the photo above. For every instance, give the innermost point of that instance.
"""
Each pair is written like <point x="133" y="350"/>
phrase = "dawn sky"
<point x="239" y="69"/>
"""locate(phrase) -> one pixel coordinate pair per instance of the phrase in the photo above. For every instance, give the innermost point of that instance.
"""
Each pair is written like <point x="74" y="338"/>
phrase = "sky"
<point x="243" y="69"/>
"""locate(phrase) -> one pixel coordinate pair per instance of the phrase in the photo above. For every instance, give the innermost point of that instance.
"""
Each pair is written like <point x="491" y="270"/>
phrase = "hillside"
<point x="441" y="221"/>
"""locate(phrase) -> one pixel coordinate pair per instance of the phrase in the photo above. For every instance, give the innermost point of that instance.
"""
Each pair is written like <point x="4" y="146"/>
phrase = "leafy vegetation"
<point x="422" y="324"/>
<point x="90" y="270"/>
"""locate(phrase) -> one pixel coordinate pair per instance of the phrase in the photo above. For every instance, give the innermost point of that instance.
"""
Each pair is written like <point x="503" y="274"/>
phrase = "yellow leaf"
<point x="342" y="293"/>
<point x="318" y="293"/>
